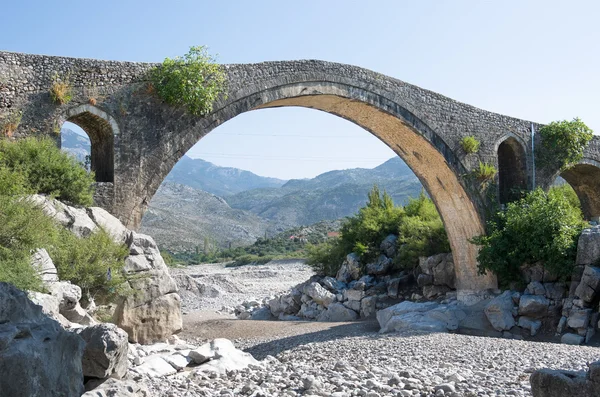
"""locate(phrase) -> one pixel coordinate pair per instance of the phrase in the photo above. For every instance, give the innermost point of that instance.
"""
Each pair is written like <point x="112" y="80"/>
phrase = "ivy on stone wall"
<point x="194" y="81"/>
<point x="563" y="143"/>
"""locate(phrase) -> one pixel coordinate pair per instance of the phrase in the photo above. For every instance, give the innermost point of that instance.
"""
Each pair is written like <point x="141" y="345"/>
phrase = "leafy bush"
<point x="485" y="172"/>
<point x="194" y="81"/>
<point x="61" y="91"/>
<point x="250" y="260"/>
<point x="94" y="263"/>
<point x="563" y="142"/>
<point x="541" y="227"/>
<point x="418" y="226"/>
<point x="47" y="170"/>
<point x="470" y="144"/>
<point x="421" y="233"/>
<point x="23" y="228"/>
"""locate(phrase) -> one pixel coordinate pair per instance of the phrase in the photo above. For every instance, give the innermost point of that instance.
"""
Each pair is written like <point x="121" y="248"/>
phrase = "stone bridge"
<point x="136" y="140"/>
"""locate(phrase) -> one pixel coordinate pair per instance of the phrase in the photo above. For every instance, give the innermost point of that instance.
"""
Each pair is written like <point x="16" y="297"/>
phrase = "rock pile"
<point x="556" y="383"/>
<point x="151" y="314"/>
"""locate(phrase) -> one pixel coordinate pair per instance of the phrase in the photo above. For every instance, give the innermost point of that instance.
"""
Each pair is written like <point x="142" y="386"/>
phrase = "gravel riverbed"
<point x="353" y="359"/>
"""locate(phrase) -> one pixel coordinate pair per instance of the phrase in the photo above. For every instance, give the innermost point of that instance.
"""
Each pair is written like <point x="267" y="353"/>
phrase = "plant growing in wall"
<point x="194" y="81"/>
<point x="11" y="123"/>
<point x="61" y="90"/>
<point x="485" y="172"/>
<point x="470" y="144"/>
<point x="563" y="143"/>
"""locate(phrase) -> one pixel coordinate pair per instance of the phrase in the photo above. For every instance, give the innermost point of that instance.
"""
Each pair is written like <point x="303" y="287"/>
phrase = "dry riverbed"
<point x="347" y="359"/>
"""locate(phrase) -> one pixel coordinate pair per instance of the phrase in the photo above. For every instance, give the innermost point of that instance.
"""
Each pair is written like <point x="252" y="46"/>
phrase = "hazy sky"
<point x="537" y="60"/>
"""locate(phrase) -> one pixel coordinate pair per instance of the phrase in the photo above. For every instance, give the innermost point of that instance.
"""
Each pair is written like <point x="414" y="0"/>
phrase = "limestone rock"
<point x="368" y="307"/>
<point x="555" y="291"/>
<point x="116" y="388"/>
<point x="533" y="306"/>
<point x="336" y="312"/>
<point x="225" y="357"/>
<point x="433" y="291"/>
<point x="41" y="261"/>
<point x="389" y="245"/>
<point x="588" y="246"/>
<point x="572" y="339"/>
<point x="105" y="353"/>
<point x="37" y="357"/>
<point x="350" y="269"/>
<point x="319" y="294"/>
<point x="381" y="266"/>
<point x="553" y="383"/>
<point x="499" y="312"/>
<point x="262" y="314"/>
<point x="426" y="316"/>
<point x="67" y="294"/>
<point x="530" y="324"/>
<point x="535" y="288"/>
<point x="579" y="318"/>
<point x="441" y="267"/>
<point x="109" y="223"/>
<point x="155" y="367"/>
<point x="590" y="283"/>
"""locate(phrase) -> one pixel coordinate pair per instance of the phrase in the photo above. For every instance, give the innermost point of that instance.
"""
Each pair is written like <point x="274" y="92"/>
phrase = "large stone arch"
<point x="584" y="178"/>
<point x="424" y="151"/>
<point x="101" y="128"/>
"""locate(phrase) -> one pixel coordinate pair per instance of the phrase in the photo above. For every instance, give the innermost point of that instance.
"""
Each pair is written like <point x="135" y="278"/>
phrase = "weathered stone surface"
<point x="499" y="312"/>
<point x="155" y="367"/>
<point x="533" y="306"/>
<point x="109" y="223"/>
<point x="68" y="294"/>
<point x="41" y="261"/>
<point x="433" y="291"/>
<point x="262" y="314"/>
<point x="225" y="357"/>
<point x="389" y="245"/>
<point x="426" y="316"/>
<point x="572" y="339"/>
<point x="116" y="388"/>
<point x="535" y="288"/>
<point x="381" y="266"/>
<point x="424" y="279"/>
<point x="368" y="307"/>
<point x="337" y="312"/>
<point x="37" y="357"/>
<point x="590" y="283"/>
<point x="353" y="294"/>
<point x="319" y="294"/>
<point x="553" y="383"/>
<point x="579" y="318"/>
<point x="555" y="291"/>
<point x="530" y="324"/>
<point x="105" y="353"/>
<point x="350" y="269"/>
<point x="441" y="267"/>
<point x="588" y="246"/>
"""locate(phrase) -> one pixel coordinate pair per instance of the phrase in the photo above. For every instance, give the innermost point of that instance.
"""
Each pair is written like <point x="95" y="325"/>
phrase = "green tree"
<point x="563" y="142"/>
<point x="541" y="227"/>
<point x="194" y="81"/>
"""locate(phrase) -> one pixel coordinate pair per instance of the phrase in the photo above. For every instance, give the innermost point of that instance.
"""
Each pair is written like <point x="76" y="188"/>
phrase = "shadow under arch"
<point x="584" y="178"/>
<point x="512" y="169"/>
<point x="424" y="151"/>
<point x="101" y="129"/>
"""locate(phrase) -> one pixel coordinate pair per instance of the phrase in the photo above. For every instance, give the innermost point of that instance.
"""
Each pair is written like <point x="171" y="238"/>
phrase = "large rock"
<point x="590" y="283"/>
<point x="67" y="294"/>
<point x="500" y="311"/>
<point x="151" y="312"/>
<point x="588" y="246"/>
<point x="42" y="263"/>
<point x="74" y="219"/>
<point x="109" y="223"/>
<point x="579" y="318"/>
<point x="537" y="272"/>
<point x="337" y="312"/>
<point x="223" y="357"/>
<point x="533" y="306"/>
<point x="441" y="267"/>
<point x="389" y="245"/>
<point x="426" y="316"/>
<point x="106" y="350"/>
<point x="553" y="383"/>
<point x="117" y="388"/>
<point x="381" y="266"/>
<point x="350" y="269"/>
<point x="319" y="294"/>
<point x="37" y="357"/>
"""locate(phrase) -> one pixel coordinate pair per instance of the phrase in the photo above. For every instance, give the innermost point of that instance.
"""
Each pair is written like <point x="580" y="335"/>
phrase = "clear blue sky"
<point x="536" y="59"/>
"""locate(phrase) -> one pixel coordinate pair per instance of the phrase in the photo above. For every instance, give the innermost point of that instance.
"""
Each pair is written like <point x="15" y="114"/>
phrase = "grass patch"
<point x="61" y="90"/>
<point x="470" y="144"/>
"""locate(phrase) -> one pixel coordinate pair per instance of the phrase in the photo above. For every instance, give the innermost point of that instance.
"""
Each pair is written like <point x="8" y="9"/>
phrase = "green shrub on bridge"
<point x="470" y="144"/>
<point x="563" y="143"/>
<point x="540" y="228"/>
<point x="44" y="168"/>
<point x="194" y="81"/>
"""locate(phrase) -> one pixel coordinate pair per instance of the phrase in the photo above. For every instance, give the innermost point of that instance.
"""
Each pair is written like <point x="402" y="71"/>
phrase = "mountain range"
<point x="200" y="201"/>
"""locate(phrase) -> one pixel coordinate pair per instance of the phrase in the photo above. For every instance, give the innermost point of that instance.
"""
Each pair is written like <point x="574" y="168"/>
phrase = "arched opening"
<point x="512" y="171"/>
<point x="101" y="136"/>
<point x="584" y="178"/>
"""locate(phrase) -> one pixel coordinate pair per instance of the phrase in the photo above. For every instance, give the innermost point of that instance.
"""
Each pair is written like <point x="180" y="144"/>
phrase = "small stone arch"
<point x="101" y="129"/>
<point x="584" y="178"/>
<point x="512" y="169"/>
